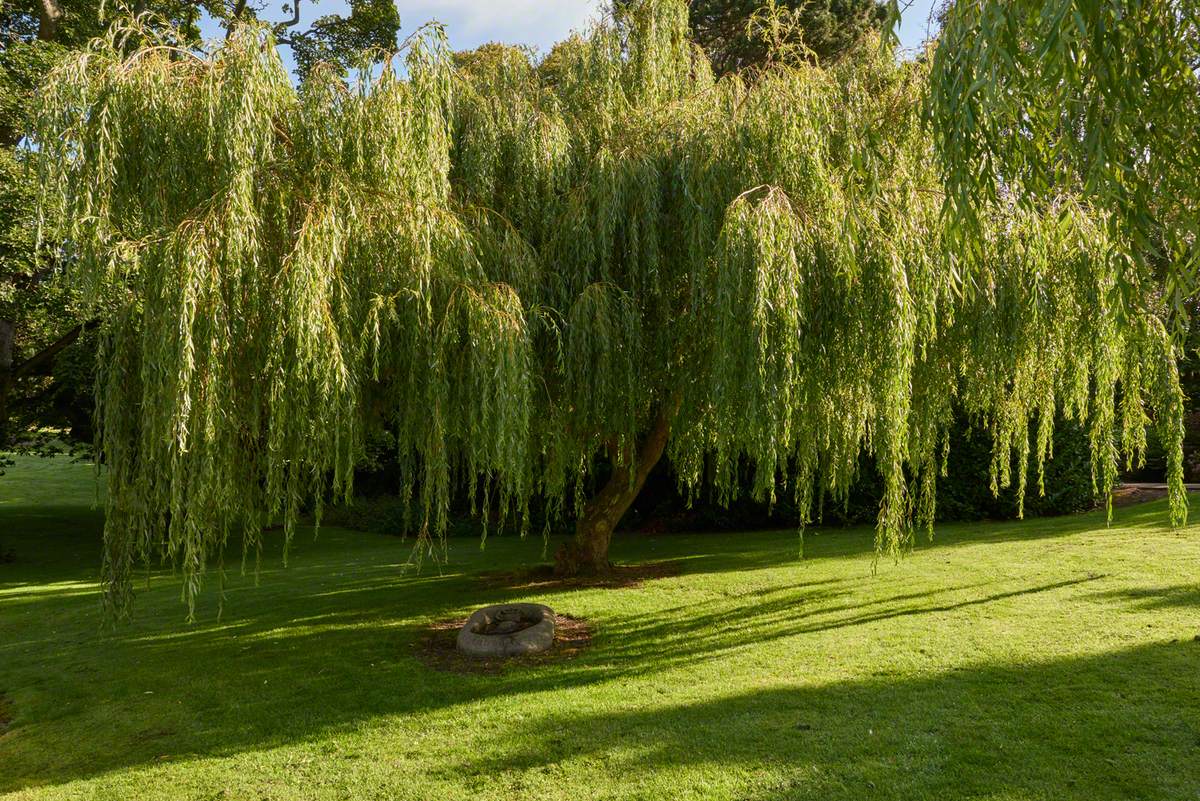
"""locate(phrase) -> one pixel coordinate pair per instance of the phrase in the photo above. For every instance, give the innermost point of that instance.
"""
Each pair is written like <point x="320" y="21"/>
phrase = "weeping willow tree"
<point x="544" y="280"/>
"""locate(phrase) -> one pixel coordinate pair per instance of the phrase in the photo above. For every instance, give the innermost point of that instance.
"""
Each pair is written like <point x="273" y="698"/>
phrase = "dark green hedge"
<point x="963" y="494"/>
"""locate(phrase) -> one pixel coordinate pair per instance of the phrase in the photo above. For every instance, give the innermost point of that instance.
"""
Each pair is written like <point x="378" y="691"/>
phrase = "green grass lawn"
<point x="1049" y="659"/>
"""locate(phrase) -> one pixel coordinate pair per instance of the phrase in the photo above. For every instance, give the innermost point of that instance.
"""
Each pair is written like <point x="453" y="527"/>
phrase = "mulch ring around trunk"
<point x="541" y="577"/>
<point x="437" y="648"/>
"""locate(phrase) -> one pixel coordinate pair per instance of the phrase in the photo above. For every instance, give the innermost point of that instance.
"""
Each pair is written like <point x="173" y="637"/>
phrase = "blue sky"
<point x="540" y="23"/>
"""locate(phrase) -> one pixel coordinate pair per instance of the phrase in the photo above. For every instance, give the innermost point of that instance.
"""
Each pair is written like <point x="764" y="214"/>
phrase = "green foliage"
<point x="38" y="306"/>
<point x="333" y="39"/>
<point x="963" y="493"/>
<point x="1067" y="485"/>
<point x="823" y="29"/>
<point x="1034" y="98"/>
<point x="17" y="233"/>
<point x="515" y="270"/>
<point x="38" y="303"/>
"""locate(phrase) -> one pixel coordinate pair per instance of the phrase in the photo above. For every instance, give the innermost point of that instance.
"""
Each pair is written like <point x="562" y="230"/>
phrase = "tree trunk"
<point x="587" y="553"/>
<point x="49" y="15"/>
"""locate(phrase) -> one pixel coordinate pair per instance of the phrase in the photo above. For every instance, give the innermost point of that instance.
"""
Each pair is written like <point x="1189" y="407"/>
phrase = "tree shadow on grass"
<point x="724" y="551"/>
<point x="296" y="667"/>
<point x="328" y="643"/>
<point x="1169" y="597"/>
<point x="49" y="544"/>
<point x="1091" y="727"/>
<point x="700" y="632"/>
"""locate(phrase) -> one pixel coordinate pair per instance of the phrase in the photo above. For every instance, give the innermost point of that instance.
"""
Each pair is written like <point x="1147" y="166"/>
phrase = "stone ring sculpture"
<point x="507" y="630"/>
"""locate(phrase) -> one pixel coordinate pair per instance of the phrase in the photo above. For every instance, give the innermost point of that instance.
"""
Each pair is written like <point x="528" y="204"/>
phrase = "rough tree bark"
<point x="587" y="553"/>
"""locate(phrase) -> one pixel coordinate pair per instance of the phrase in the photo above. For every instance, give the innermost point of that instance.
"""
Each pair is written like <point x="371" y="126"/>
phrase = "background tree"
<point x="529" y="277"/>
<point x="825" y="28"/>
<point x="38" y="315"/>
<point x="371" y="26"/>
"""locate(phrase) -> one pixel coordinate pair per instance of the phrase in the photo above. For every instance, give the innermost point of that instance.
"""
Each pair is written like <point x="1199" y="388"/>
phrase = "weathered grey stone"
<point x="507" y="630"/>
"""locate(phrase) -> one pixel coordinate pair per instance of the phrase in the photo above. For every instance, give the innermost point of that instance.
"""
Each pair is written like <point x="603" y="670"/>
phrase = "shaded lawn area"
<point x="1041" y="660"/>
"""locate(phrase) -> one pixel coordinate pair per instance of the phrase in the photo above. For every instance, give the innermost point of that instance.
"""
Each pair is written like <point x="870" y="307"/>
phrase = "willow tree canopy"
<point x="524" y="268"/>
<point x="1034" y="97"/>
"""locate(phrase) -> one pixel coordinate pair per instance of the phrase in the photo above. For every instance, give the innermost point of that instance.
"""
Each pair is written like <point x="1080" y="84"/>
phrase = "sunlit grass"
<point x="1041" y="660"/>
